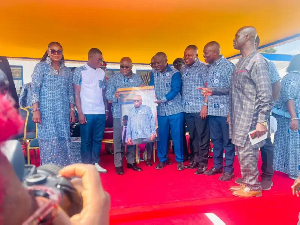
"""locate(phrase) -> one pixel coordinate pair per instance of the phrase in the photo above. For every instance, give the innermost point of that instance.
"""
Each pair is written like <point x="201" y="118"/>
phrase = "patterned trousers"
<point x="248" y="159"/>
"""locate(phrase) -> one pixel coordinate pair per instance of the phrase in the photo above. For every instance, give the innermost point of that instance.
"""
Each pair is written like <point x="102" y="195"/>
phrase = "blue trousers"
<point x="91" y="137"/>
<point x="175" y="122"/>
<point x="219" y="133"/>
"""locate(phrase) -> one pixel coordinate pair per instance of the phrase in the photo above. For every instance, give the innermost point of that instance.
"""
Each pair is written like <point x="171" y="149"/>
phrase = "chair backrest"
<point x="24" y="114"/>
<point x="29" y="126"/>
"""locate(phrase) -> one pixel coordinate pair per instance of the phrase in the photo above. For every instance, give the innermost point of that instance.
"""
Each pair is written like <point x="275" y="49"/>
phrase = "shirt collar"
<point x="219" y="60"/>
<point x="90" y="68"/>
<point x="195" y="64"/>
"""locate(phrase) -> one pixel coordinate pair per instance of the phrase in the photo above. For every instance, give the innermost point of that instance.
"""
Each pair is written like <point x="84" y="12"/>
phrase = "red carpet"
<point x="169" y="196"/>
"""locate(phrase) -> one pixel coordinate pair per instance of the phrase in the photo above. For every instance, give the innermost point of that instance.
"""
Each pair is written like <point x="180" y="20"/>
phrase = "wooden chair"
<point x="30" y="132"/>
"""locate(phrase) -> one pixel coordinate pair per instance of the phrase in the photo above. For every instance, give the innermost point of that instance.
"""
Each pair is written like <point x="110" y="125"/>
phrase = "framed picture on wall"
<point x="17" y="73"/>
<point x="139" y="115"/>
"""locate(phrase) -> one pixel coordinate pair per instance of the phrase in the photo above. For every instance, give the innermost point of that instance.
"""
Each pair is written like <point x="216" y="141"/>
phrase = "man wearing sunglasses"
<point x="124" y="79"/>
<point x="89" y="86"/>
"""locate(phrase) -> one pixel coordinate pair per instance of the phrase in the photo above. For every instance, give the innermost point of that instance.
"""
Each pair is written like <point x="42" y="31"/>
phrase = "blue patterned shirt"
<point x="219" y="77"/>
<point x="141" y="123"/>
<point x="167" y="88"/>
<point x="116" y="81"/>
<point x="193" y="76"/>
<point x="290" y="91"/>
<point x="274" y="75"/>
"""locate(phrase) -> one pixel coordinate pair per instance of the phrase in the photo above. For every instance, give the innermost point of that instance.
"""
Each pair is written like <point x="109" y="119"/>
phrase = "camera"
<point x="40" y="179"/>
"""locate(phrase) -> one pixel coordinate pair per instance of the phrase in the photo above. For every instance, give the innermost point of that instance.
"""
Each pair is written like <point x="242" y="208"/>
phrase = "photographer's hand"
<point x="96" y="202"/>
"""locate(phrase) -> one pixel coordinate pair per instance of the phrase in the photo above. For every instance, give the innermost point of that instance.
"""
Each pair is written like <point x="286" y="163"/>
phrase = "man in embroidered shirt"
<point x="250" y="106"/>
<point x="167" y="83"/>
<point x="193" y="74"/>
<point x="141" y="123"/>
<point x="219" y="76"/>
<point x="122" y="80"/>
<point x="89" y="86"/>
<point x="267" y="151"/>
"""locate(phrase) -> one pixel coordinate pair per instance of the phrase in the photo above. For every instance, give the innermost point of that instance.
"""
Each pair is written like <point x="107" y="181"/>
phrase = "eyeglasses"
<point x="136" y="100"/>
<point x="126" y="67"/>
<point x="99" y="60"/>
<point x="152" y="64"/>
<point x="55" y="52"/>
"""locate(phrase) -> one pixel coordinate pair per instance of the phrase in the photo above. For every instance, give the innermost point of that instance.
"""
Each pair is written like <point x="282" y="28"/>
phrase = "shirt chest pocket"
<point x="102" y="84"/>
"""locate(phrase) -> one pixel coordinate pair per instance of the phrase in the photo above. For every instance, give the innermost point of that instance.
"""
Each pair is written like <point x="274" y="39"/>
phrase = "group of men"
<point x="217" y="101"/>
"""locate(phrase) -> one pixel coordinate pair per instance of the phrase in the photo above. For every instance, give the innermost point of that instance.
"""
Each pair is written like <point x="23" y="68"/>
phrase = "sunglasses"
<point x="136" y="100"/>
<point x="99" y="60"/>
<point x="126" y="67"/>
<point x="55" y="52"/>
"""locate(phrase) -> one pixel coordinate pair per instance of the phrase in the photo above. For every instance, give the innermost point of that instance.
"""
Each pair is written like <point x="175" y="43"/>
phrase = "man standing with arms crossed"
<point x="89" y="86"/>
<point x="250" y="105"/>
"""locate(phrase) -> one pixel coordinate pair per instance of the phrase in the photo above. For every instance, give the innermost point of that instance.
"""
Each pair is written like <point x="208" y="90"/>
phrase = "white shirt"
<point x="92" y="84"/>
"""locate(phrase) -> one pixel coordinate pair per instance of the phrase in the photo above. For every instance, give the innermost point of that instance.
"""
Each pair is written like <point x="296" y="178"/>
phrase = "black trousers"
<point x="267" y="156"/>
<point x="199" y="135"/>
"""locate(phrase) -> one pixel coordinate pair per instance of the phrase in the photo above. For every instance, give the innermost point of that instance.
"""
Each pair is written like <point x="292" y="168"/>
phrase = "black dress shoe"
<point x="193" y="165"/>
<point x="168" y="162"/>
<point x="148" y="162"/>
<point x="160" y="165"/>
<point x="134" y="167"/>
<point x="213" y="171"/>
<point x="180" y="166"/>
<point x="226" y="176"/>
<point x="120" y="170"/>
<point x="201" y="170"/>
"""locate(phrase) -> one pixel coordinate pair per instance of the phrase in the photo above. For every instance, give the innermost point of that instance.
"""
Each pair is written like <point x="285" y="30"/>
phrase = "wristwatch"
<point x="205" y="104"/>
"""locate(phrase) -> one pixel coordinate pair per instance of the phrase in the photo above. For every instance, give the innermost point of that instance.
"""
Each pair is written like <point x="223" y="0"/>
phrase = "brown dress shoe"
<point x="120" y="170"/>
<point x="236" y="188"/>
<point x="134" y="167"/>
<point x="246" y="192"/>
<point x="148" y="162"/>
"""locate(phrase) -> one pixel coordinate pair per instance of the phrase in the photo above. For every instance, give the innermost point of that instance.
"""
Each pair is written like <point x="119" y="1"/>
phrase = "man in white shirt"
<point x="89" y="87"/>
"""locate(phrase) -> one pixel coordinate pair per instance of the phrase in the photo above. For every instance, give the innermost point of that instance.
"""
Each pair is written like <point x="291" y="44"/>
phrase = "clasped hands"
<point x="129" y="141"/>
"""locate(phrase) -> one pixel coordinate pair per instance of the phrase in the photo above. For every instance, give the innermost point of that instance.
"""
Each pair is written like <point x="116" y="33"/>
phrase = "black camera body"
<point x="43" y="176"/>
<point x="47" y="175"/>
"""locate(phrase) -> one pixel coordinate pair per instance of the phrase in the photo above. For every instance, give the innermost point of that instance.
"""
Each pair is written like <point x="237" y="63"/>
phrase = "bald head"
<point x="137" y="101"/>
<point x="161" y="61"/>
<point x="212" y="52"/>
<point x="245" y="38"/>
<point x="126" y="66"/>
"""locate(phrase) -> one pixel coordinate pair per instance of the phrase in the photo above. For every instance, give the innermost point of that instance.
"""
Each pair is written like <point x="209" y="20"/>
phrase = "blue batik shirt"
<point x="193" y="76"/>
<point x="141" y="123"/>
<point x="219" y="77"/>
<point x="167" y="88"/>
<point x="116" y="81"/>
<point x="274" y="75"/>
